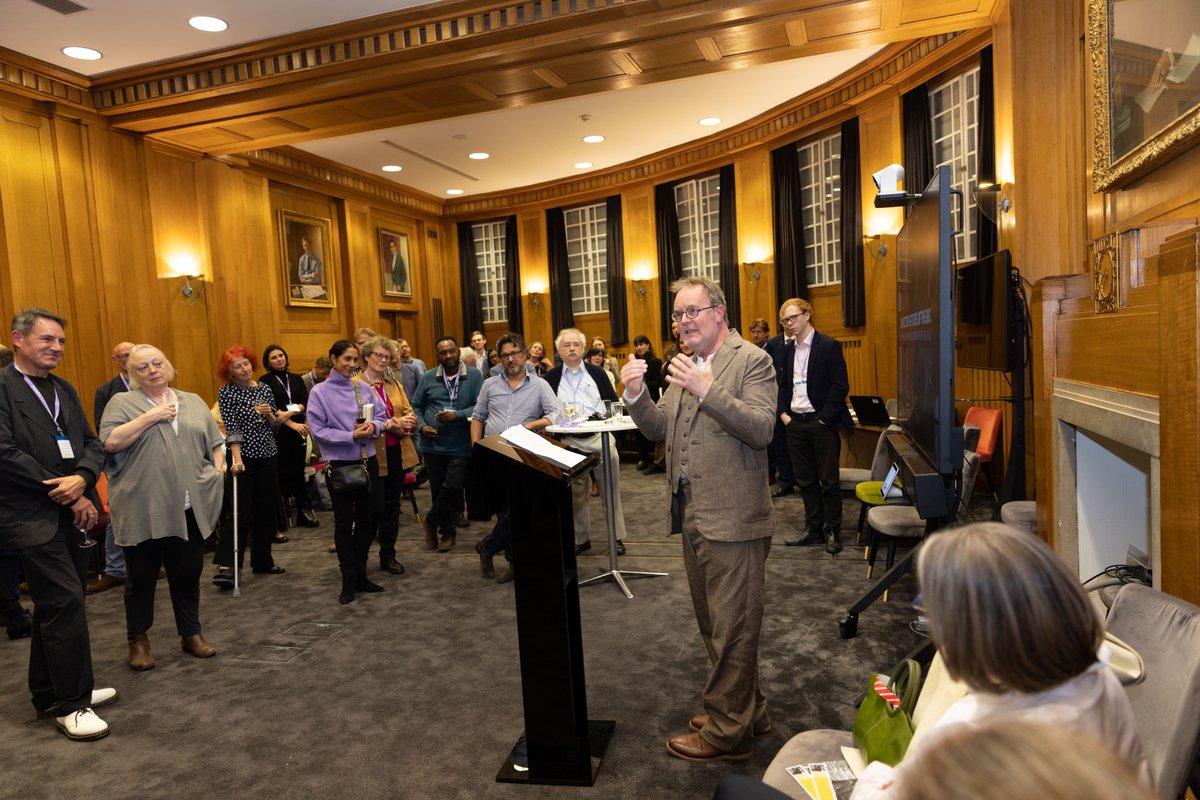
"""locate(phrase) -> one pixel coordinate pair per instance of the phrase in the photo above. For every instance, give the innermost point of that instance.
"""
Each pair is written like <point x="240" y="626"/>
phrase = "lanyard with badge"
<point x="451" y="390"/>
<point x="64" y="444"/>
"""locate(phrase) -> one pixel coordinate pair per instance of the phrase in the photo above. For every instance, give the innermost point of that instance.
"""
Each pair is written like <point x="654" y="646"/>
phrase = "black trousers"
<point x="447" y="474"/>
<point x="60" y="651"/>
<point x="393" y="493"/>
<point x="815" y="450"/>
<point x="781" y="457"/>
<point x="355" y="518"/>
<point x="184" y="561"/>
<point x="258" y="497"/>
<point x="290" y="464"/>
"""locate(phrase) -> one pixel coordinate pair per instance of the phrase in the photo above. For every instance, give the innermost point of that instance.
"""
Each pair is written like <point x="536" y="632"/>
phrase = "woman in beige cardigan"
<point x="164" y="491"/>
<point x="399" y="455"/>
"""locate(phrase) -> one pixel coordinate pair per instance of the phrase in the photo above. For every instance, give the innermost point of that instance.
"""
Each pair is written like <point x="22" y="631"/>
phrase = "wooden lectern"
<point x="564" y="747"/>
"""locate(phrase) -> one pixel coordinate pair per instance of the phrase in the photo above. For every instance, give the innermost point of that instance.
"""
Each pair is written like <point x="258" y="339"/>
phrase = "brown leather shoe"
<point x="197" y="646"/>
<point x="139" y="653"/>
<point x="446" y="545"/>
<point x="103" y="584"/>
<point x="698" y="721"/>
<point x="694" y="747"/>
<point x="485" y="562"/>
<point x="431" y="542"/>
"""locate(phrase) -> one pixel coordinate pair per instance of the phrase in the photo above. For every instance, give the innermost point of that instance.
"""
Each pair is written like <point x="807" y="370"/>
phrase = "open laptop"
<point x="870" y="410"/>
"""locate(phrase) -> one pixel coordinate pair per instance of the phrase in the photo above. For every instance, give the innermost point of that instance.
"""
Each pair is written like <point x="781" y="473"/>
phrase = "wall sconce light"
<point x="753" y="271"/>
<point x="190" y="292"/>
<point x="639" y="286"/>
<point x="535" y="300"/>
<point x="992" y="199"/>
<point x="875" y="245"/>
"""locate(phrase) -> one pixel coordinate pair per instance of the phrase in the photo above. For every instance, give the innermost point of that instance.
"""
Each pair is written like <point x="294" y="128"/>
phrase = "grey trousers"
<point x="581" y="489"/>
<point x="726" y="581"/>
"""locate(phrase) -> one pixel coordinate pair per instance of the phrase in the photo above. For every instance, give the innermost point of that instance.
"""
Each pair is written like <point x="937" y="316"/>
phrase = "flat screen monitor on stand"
<point x="929" y="452"/>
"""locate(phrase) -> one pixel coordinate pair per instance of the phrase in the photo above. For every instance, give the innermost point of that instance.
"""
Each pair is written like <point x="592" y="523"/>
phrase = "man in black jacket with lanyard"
<point x="813" y="385"/>
<point x="584" y="387"/>
<point x="51" y="463"/>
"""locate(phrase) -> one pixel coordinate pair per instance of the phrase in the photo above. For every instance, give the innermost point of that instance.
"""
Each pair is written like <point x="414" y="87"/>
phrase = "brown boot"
<point x="446" y="545"/>
<point x="197" y="646"/>
<point x="139" y="653"/>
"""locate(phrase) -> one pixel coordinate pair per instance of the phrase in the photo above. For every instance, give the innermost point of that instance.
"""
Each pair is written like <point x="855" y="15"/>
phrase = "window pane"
<point x="698" y="205"/>
<point x="489" y="258"/>
<point x="821" y="197"/>
<point x="587" y="257"/>
<point x="955" y="122"/>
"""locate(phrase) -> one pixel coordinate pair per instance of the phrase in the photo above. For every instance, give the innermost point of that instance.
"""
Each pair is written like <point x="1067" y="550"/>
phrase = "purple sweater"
<point x="332" y="409"/>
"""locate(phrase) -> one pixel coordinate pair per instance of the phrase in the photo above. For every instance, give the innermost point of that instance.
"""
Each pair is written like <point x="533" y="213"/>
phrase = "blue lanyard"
<point x="452" y="392"/>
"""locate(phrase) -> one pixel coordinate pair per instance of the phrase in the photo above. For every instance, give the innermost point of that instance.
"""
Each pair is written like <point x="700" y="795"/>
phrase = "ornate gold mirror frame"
<point x="1141" y="84"/>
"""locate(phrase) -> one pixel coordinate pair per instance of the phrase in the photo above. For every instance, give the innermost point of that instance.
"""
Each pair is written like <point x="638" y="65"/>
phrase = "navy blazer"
<point x="30" y="455"/>
<point x="828" y="382"/>
<point x="103" y="395"/>
<point x="607" y="392"/>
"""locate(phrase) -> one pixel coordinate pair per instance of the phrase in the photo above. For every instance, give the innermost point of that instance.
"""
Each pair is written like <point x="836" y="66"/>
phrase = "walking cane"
<point x="237" y="589"/>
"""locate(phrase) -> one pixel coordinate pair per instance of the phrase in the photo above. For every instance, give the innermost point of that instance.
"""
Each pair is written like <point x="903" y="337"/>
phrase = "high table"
<point x="606" y="428"/>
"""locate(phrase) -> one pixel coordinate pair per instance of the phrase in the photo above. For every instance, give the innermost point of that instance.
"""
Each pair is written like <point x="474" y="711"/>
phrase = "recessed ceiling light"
<point x="711" y="121"/>
<point x="391" y="168"/>
<point x="82" y="53"/>
<point x="479" y="156"/>
<point x="583" y="165"/>
<point x="454" y="191"/>
<point x="208" y="24"/>
<point x="593" y="139"/>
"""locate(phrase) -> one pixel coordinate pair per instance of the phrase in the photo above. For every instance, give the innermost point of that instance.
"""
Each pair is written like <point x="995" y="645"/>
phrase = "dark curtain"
<point x="468" y="268"/>
<point x="730" y="267"/>
<point x="666" y="225"/>
<point x="918" y="140"/>
<point x="986" y="149"/>
<point x="562" y="315"/>
<point x="512" y="276"/>
<point x="786" y="204"/>
<point x="854" y="292"/>
<point x="618" y="299"/>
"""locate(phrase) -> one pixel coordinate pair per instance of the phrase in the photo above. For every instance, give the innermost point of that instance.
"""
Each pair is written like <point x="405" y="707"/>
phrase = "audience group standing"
<point x="173" y="466"/>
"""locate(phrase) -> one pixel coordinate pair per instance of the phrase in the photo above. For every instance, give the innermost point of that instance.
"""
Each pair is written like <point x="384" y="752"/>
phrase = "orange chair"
<point x="988" y="420"/>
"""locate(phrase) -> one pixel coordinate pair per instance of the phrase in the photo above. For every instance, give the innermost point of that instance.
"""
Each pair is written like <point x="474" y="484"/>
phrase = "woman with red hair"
<point x="250" y="417"/>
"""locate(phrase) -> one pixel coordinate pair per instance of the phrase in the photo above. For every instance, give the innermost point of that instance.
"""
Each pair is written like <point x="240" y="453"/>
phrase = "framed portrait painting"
<point x="307" y="249"/>
<point x="396" y="264"/>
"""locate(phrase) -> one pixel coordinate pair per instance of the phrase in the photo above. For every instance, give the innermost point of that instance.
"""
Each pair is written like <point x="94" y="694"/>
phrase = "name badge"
<point x="801" y="381"/>
<point x="64" y="447"/>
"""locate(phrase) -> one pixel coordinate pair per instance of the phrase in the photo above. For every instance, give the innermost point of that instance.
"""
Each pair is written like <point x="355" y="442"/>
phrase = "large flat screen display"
<point x="983" y="337"/>
<point x="925" y="328"/>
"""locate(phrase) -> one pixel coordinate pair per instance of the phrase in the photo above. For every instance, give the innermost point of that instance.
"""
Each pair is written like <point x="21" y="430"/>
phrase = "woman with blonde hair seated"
<point x="165" y="490"/>
<point x="1014" y="625"/>
<point x="1009" y="758"/>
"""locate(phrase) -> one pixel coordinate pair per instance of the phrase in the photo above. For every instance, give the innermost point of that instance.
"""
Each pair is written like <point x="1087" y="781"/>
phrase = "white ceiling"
<point x="528" y="145"/>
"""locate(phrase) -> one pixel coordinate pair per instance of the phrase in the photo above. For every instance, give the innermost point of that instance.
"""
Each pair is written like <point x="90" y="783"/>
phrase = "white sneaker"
<point x="82" y="725"/>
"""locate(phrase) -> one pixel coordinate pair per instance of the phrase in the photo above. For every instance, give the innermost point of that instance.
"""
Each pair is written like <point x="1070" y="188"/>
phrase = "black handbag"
<point x="348" y="478"/>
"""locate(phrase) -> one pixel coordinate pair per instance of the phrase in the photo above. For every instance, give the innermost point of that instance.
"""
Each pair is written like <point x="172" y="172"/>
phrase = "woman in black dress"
<point x="292" y="434"/>
<point x="653" y="381"/>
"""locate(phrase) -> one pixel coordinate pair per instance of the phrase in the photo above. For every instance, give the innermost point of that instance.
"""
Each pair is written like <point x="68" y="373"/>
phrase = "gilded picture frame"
<point x="396" y="264"/>
<point x="306" y="250"/>
<point x="1145" y="76"/>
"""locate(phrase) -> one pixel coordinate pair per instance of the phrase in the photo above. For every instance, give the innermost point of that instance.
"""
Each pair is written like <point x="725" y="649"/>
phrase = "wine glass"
<point x="83" y="532"/>
<point x="569" y="410"/>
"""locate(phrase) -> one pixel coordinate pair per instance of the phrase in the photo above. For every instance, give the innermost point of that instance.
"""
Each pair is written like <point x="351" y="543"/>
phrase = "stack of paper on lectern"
<point x="522" y="437"/>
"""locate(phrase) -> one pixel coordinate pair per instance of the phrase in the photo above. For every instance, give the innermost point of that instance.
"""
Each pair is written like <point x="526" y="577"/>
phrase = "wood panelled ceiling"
<point x="459" y="58"/>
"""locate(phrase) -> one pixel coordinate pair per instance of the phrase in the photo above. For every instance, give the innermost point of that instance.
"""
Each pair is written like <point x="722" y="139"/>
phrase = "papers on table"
<point x="818" y="780"/>
<point x="522" y="437"/>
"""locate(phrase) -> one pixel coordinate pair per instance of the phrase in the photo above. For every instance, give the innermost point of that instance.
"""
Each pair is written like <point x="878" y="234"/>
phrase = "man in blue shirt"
<point x="514" y="398"/>
<point x="444" y="401"/>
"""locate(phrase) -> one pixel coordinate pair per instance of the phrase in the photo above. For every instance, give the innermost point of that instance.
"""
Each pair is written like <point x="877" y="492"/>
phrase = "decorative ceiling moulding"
<point x="41" y="81"/>
<point x="293" y="166"/>
<point x="836" y="99"/>
<point x="340" y="48"/>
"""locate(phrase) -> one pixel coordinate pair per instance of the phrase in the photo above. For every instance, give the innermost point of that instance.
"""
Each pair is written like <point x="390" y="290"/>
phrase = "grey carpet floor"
<point x="415" y="693"/>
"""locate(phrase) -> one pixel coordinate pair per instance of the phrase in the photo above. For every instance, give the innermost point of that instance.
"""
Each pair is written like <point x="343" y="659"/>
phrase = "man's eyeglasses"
<point x="511" y="354"/>
<point x="789" y="320"/>
<point x="691" y="312"/>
